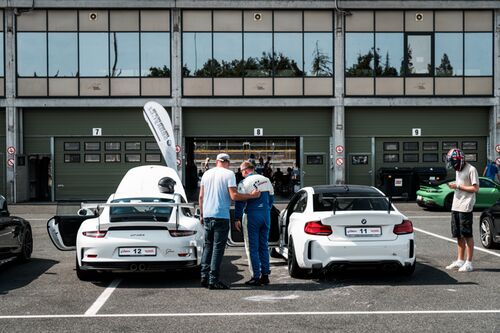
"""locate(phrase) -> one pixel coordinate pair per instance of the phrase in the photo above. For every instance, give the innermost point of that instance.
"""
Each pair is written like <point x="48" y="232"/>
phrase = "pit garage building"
<point x="338" y="89"/>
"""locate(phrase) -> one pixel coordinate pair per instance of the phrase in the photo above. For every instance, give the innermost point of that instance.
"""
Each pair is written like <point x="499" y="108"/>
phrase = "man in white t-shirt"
<point x="466" y="185"/>
<point x="217" y="189"/>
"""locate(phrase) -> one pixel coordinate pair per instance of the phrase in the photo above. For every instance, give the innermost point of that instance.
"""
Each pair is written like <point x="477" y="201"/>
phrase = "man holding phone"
<point x="466" y="185"/>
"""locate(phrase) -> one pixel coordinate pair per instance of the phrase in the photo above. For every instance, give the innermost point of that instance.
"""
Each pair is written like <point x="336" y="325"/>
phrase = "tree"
<point x="445" y="68"/>
<point x="159" y="71"/>
<point x="387" y="69"/>
<point x="363" y="67"/>
<point x="320" y="65"/>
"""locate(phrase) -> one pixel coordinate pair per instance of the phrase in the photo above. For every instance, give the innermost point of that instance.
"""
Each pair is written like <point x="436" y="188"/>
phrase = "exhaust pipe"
<point x="142" y="267"/>
<point x="133" y="267"/>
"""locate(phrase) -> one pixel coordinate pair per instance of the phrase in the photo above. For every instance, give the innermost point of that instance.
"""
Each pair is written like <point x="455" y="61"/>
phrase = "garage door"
<point x="90" y="168"/>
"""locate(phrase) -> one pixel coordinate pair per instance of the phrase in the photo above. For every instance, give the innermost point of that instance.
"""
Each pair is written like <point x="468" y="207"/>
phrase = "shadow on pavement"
<point x="14" y="275"/>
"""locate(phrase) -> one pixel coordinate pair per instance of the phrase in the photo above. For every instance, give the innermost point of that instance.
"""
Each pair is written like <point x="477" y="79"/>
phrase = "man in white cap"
<point x="217" y="189"/>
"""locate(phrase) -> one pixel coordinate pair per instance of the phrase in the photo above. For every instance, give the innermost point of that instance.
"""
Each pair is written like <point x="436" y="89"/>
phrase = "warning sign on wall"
<point x="398" y="182"/>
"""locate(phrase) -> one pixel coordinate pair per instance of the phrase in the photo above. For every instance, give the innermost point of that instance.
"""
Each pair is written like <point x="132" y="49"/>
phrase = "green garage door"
<point x="90" y="168"/>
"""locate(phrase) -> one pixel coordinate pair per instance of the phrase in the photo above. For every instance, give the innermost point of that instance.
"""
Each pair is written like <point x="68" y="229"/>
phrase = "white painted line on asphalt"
<point x="99" y="302"/>
<point x="264" y="314"/>
<point x="455" y="241"/>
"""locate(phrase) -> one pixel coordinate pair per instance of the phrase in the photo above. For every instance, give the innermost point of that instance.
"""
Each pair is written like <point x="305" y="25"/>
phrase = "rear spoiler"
<point x="388" y="198"/>
<point x="96" y="208"/>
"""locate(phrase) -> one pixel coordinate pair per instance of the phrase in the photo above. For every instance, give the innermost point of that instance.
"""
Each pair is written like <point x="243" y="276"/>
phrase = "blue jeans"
<point x="216" y="233"/>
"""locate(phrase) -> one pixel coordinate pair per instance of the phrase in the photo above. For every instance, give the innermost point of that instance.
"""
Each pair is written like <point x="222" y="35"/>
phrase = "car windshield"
<point x="350" y="201"/>
<point x="140" y="212"/>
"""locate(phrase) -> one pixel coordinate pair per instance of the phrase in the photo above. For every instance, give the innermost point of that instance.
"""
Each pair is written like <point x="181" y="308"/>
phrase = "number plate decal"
<point x="363" y="231"/>
<point x="136" y="251"/>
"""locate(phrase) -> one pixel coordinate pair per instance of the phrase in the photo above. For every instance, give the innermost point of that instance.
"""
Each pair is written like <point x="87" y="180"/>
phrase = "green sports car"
<point x="440" y="195"/>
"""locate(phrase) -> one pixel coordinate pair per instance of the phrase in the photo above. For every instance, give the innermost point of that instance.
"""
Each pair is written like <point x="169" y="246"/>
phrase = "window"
<point x="391" y="158"/>
<point x="94" y="54"/>
<point x="92" y="158"/>
<point x="315" y="159"/>
<point x="31" y="54"/>
<point x="132" y="146"/>
<point x="71" y="158"/>
<point x="430" y="157"/>
<point x="257" y="53"/>
<point x="447" y="145"/>
<point x="63" y="54"/>
<point x="410" y="157"/>
<point x="359" y="159"/>
<point x="301" y="204"/>
<point x="410" y="146"/>
<point x="418" y="55"/>
<point x="287" y="56"/>
<point x="124" y="48"/>
<point x="478" y="54"/>
<point x="471" y="157"/>
<point x="155" y="54"/>
<point x="133" y="158"/>
<point x="92" y="146"/>
<point x="228" y="54"/>
<point x="196" y="54"/>
<point x="153" y="158"/>
<point x="112" y="158"/>
<point x="469" y="145"/>
<point x="388" y="54"/>
<point x="152" y="146"/>
<point x="318" y="54"/>
<point x="389" y="146"/>
<point x="430" y="146"/>
<point x="448" y="54"/>
<point x="359" y="54"/>
<point x="113" y="146"/>
<point x="485" y="183"/>
<point x="72" y="146"/>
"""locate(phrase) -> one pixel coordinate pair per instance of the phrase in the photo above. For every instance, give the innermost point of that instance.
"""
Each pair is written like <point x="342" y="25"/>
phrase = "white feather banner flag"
<point x="161" y="126"/>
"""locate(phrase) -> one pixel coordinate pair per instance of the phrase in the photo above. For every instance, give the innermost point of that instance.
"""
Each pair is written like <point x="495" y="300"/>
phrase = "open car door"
<point x="236" y="237"/>
<point x="64" y="229"/>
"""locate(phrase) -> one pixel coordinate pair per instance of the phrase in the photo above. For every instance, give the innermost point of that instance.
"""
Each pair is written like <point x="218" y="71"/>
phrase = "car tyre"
<point x="293" y="267"/>
<point x="409" y="270"/>
<point x="448" y="202"/>
<point x="486" y="233"/>
<point x="84" y="275"/>
<point x="26" y="246"/>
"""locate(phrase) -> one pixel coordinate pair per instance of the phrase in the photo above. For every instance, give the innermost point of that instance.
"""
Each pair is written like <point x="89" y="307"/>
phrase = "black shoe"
<point x="218" y="286"/>
<point x="204" y="283"/>
<point x="264" y="279"/>
<point x="253" y="282"/>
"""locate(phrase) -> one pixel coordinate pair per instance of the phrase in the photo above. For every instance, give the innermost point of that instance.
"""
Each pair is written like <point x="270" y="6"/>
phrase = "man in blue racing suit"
<point x="257" y="223"/>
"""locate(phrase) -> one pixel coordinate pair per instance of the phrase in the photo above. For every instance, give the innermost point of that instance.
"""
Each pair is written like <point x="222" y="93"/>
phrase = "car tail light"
<point x="404" y="228"/>
<point x="317" y="228"/>
<point x="181" y="233"/>
<point x="95" y="233"/>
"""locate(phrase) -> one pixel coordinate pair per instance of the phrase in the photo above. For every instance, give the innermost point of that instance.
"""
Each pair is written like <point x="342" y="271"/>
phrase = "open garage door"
<point x="90" y="168"/>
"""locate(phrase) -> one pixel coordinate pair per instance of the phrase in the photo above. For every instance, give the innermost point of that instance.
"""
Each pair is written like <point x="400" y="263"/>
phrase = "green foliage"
<point x="364" y="65"/>
<point x="159" y="72"/>
<point x="445" y="68"/>
<point x="320" y="65"/>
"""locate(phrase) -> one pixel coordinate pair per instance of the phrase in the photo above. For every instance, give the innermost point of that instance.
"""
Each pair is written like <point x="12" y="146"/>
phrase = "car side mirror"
<point x="197" y="212"/>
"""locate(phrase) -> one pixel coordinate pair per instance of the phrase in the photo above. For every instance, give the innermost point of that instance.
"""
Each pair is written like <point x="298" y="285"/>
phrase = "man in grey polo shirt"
<point x="466" y="185"/>
<point x="217" y="189"/>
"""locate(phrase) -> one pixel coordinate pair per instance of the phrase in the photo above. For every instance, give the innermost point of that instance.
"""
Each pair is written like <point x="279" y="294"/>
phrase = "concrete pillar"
<point x="11" y="119"/>
<point x="176" y="78"/>
<point x="337" y="151"/>
<point x="494" y="134"/>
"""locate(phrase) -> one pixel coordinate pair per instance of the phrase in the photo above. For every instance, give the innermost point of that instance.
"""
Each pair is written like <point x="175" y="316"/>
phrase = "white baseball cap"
<point x="223" y="157"/>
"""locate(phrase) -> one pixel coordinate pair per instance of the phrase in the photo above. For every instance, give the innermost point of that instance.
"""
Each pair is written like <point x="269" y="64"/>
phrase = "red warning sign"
<point x="10" y="162"/>
<point x="339" y="161"/>
<point x="339" y="149"/>
<point x="497" y="148"/>
<point x="177" y="149"/>
<point x="11" y="150"/>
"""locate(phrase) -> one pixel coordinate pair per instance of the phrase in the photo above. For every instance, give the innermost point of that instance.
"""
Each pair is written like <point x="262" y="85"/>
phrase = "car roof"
<point x="347" y="190"/>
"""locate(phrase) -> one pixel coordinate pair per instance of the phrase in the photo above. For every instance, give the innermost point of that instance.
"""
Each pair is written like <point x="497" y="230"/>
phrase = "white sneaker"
<point x="467" y="267"/>
<point x="456" y="264"/>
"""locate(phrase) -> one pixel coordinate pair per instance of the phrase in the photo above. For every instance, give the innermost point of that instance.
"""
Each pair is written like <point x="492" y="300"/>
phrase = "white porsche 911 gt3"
<point x="146" y="225"/>
<point x="337" y="227"/>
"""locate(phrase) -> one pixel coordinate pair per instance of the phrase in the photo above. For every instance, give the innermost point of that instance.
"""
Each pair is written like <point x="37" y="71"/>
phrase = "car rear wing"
<point x="336" y="198"/>
<point x="97" y="208"/>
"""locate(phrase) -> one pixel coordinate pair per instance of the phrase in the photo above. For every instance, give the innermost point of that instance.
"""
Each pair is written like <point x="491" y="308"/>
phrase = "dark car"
<point x="489" y="227"/>
<point x="16" y="239"/>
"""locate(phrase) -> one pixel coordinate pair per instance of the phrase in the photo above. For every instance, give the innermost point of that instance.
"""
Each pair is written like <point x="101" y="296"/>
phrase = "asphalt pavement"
<point x="44" y="295"/>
